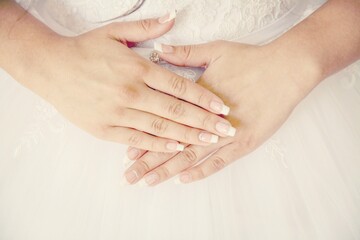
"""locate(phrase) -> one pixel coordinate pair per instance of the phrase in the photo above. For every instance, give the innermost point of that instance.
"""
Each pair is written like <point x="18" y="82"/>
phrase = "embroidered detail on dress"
<point x="45" y="119"/>
<point x="276" y="151"/>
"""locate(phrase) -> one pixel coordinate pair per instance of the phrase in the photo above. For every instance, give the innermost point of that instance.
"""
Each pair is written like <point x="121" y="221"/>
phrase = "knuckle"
<point x="141" y="69"/>
<point x="143" y="166"/>
<point x="207" y="120"/>
<point x="159" y="126"/>
<point x="145" y="24"/>
<point x="129" y="93"/>
<point x="199" y="173"/>
<point x="218" y="163"/>
<point x="188" y="133"/>
<point x="165" y="172"/>
<point x="176" y="109"/>
<point x="203" y="98"/>
<point x="135" y="140"/>
<point x="155" y="145"/>
<point x="178" y="86"/>
<point x="185" y="52"/>
<point x="189" y="156"/>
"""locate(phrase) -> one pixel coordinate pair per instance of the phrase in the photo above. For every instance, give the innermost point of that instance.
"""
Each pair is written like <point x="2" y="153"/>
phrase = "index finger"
<point x="184" y="89"/>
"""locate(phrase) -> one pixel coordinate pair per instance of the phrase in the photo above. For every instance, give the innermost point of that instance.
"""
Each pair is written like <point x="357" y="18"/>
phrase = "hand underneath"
<point x="105" y="88"/>
<point x="262" y="85"/>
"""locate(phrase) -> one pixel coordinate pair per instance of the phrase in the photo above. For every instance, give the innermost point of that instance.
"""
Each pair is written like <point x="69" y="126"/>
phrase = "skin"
<point x="97" y="82"/>
<point x="261" y="84"/>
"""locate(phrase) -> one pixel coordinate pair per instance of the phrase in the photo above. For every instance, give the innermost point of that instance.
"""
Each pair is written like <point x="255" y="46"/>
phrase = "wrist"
<point x="301" y="64"/>
<point x="24" y="41"/>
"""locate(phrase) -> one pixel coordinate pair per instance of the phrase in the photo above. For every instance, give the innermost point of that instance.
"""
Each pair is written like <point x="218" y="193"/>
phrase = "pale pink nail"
<point x="225" y="128"/>
<point x="152" y="178"/>
<point x="168" y="17"/>
<point x="185" y="178"/>
<point x="219" y="107"/>
<point x="175" y="146"/>
<point x="132" y="176"/>
<point x="133" y="153"/>
<point x="208" y="137"/>
<point x="163" y="48"/>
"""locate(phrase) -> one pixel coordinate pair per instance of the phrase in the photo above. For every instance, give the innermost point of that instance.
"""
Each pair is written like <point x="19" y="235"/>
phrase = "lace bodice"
<point x="197" y="21"/>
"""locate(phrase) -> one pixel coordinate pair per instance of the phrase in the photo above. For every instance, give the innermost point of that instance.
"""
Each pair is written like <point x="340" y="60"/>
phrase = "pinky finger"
<point x="220" y="159"/>
<point x="138" y="139"/>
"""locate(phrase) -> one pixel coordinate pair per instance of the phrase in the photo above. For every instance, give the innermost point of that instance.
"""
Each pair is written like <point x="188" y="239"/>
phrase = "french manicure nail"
<point x="185" y="178"/>
<point x="133" y="153"/>
<point x="175" y="146"/>
<point x="132" y="176"/>
<point x="225" y="128"/>
<point x="219" y="107"/>
<point x="208" y="137"/>
<point x="168" y="17"/>
<point x="126" y="161"/>
<point x="162" y="48"/>
<point x="152" y="179"/>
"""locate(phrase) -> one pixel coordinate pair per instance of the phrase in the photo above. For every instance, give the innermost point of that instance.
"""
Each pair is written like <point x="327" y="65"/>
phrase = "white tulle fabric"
<point x="58" y="182"/>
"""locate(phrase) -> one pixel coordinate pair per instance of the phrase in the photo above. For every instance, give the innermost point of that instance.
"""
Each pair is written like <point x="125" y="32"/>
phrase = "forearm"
<point x="23" y="40"/>
<point x="329" y="39"/>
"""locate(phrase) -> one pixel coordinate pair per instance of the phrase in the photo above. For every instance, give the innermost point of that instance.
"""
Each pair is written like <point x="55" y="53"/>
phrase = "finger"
<point x="185" y="113"/>
<point x="213" y="164"/>
<point x="190" y="55"/>
<point x="135" y="153"/>
<point x="142" y="30"/>
<point x="190" y="156"/>
<point x="138" y="139"/>
<point x="131" y="155"/>
<point x="162" y="127"/>
<point x="179" y="87"/>
<point x="147" y="162"/>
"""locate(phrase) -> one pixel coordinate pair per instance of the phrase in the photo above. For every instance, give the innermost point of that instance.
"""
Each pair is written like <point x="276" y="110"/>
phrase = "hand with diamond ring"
<point x="253" y="81"/>
<point x="262" y="84"/>
<point x="102" y="86"/>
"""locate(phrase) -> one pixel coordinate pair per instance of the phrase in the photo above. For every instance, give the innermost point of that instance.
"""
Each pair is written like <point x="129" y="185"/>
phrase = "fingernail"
<point x="152" y="179"/>
<point x="175" y="146"/>
<point x="126" y="161"/>
<point x="185" y="178"/>
<point x="133" y="153"/>
<point x="225" y="128"/>
<point x="132" y="176"/>
<point x="163" y="48"/>
<point x="208" y="137"/>
<point x="219" y="107"/>
<point x="168" y="17"/>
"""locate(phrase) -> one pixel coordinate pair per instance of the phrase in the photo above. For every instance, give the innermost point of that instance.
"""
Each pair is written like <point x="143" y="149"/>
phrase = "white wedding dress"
<point x="59" y="183"/>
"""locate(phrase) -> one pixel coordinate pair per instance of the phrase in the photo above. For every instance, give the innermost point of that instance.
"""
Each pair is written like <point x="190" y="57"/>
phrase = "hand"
<point x="262" y="85"/>
<point x="105" y="88"/>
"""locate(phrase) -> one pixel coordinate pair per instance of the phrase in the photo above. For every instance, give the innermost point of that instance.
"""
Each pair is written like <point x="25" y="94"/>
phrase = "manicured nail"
<point x="168" y="17"/>
<point x="208" y="137"/>
<point x="185" y="178"/>
<point x="163" y="48"/>
<point x="219" y="107"/>
<point x="132" y="176"/>
<point x="133" y="153"/>
<point x="126" y="161"/>
<point x="225" y="128"/>
<point x="175" y="146"/>
<point x="152" y="179"/>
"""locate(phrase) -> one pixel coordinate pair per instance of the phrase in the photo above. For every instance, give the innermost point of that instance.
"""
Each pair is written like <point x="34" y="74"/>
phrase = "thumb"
<point x="142" y="30"/>
<point x="190" y="55"/>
